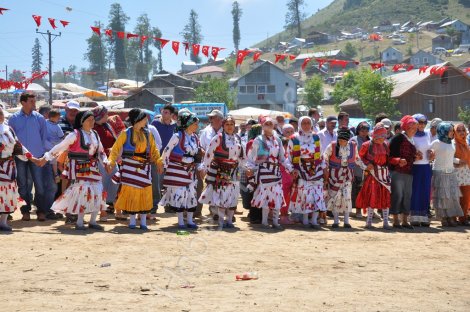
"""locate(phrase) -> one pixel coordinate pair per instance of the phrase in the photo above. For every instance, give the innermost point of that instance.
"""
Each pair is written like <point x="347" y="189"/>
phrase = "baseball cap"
<point x="331" y="118"/>
<point x="216" y="112"/>
<point x="387" y="122"/>
<point x="72" y="105"/>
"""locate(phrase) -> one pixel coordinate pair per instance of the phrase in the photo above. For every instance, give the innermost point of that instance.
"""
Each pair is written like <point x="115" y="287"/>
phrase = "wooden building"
<point x="144" y="99"/>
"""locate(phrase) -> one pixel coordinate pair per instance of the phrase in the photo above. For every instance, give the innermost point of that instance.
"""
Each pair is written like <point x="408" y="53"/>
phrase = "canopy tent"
<point x="252" y="112"/>
<point x="117" y="92"/>
<point x="94" y="94"/>
<point x="34" y="87"/>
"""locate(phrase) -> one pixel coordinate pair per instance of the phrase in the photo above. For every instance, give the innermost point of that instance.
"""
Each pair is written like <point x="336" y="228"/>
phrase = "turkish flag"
<point x="256" y="56"/>
<point x="292" y="57"/>
<point x="96" y="30"/>
<point x="175" y="45"/>
<point x="376" y="66"/>
<point x="3" y="9"/>
<point x="320" y="62"/>
<point x="64" y="23"/>
<point x="129" y="35"/>
<point x="142" y="40"/>
<point x="304" y="64"/>
<point x="279" y="57"/>
<point x="196" y="48"/>
<point x="241" y="56"/>
<point x="52" y="22"/>
<point x="205" y="51"/>
<point x="410" y="67"/>
<point x="397" y="67"/>
<point x="120" y="34"/>
<point x="215" y="52"/>
<point x="423" y="69"/>
<point x="37" y="19"/>
<point x="338" y="63"/>
<point x="186" y="47"/>
<point x="109" y="33"/>
<point x="163" y="42"/>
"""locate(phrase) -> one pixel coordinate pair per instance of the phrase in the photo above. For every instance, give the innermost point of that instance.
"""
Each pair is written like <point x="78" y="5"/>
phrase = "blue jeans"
<point x="45" y="188"/>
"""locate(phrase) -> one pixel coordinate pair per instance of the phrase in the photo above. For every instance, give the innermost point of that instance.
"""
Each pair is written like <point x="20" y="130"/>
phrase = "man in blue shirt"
<point x="30" y="128"/>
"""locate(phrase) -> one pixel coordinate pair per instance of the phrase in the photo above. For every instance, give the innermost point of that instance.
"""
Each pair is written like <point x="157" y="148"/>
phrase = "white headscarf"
<point x="305" y="136"/>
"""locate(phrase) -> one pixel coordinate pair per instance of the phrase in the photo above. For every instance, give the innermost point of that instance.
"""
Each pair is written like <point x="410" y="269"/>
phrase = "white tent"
<point x="252" y="112"/>
<point x="35" y="88"/>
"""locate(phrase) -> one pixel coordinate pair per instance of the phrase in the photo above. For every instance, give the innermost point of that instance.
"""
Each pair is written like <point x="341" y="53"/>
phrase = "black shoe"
<point x="51" y="216"/>
<point x="10" y="217"/>
<point x="95" y="227"/>
<point x="255" y="221"/>
<point x="215" y="217"/>
<point x="347" y="226"/>
<point x="425" y="224"/>
<point x="59" y="216"/>
<point x="398" y="226"/>
<point x="335" y="226"/>
<point x="408" y="226"/>
<point x="329" y="214"/>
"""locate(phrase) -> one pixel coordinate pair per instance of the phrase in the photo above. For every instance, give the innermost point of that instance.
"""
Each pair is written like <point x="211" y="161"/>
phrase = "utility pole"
<point x="49" y="41"/>
<point x="6" y="78"/>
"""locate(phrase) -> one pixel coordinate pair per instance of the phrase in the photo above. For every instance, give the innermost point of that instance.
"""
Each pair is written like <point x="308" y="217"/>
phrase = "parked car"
<point x="439" y="50"/>
<point x="399" y="41"/>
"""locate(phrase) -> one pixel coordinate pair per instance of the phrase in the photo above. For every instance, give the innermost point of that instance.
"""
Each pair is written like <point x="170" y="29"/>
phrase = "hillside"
<point x="369" y="13"/>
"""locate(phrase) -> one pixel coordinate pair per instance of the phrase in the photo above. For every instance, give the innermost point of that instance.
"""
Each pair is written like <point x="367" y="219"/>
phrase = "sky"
<point x="18" y="30"/>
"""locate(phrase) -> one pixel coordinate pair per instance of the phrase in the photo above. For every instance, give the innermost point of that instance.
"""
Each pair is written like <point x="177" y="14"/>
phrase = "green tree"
<point x="16" y="75"/>
<point x="409" y="50"/>
<point x="350" y="4"/>
<point x="37" y="57"/>
<point x="295" y="16"/>
<point x="192" y="33"/>
<point x="345" y="89"/>
<point x="158" y="65"/>
<point x="229" y="66"/>
<point x="140" y="55"/>
<point x="350" y="50"/>
<point x="214" y="90"/>
<point x="117" y="22"/>
<point x="96" y="56"/>
<point x="87" y="81"/>
<point x="236" y="14"/>
<point x="464" y="115"/>
<point x="314" y="91"/>
<point x="452" y="33"/>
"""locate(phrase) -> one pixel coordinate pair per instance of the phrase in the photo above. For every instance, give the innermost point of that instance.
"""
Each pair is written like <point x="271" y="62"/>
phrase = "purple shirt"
<point x="31" y="131"/>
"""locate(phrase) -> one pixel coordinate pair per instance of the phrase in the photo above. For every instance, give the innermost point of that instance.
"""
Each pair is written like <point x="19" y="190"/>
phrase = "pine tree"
<point x="236" y="14"/>
<point x="192" y="33"/>
<point x="158" y="65"/>
<point x="295" y="16"/>
<point x="117" y="22"/>
<point x="96" y="56"/>
<point x="37" y="57"/>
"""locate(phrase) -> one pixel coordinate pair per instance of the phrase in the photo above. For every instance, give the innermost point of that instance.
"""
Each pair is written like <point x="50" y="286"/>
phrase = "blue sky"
<point x="17" y="28"/>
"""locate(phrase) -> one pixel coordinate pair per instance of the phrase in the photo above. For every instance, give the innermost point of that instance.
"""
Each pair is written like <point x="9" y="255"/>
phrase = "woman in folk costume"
<point x="422" y="174"/>
<point x="340" y="158"/>
<point x="362" y="135"/>
<point x="375" y="192"/>
<point x="137" y="149"/>
<point x="255" y="213"/>
<point x="223" y="156"/>
<point x="265" y="156"/>
<point x="180" y="158"/>
<point x="445" y="185"/>
<point x="304" y="154"/>
<point x="84" y="150"/>
<point x="462" y="152"/>
<point x="9" y="148"/>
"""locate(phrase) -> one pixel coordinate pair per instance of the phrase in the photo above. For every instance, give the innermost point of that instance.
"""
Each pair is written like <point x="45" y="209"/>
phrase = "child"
<point x="340" y="158"/>
<point x="54" y="137"/>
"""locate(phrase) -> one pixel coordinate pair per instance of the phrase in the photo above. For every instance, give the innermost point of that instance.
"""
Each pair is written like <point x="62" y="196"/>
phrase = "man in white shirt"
<point x="205" y="136"/>
<point x="328" y="134"/>
<point x="315" y="116"/>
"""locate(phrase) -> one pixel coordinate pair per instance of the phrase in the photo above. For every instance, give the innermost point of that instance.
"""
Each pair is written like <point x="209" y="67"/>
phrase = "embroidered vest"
<point x="128" y="149"/>
<point x="79" y="150"/>
<point x="335" y="162"/>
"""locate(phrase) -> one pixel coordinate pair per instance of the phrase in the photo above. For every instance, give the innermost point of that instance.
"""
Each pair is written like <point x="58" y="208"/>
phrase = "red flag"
<point x="466" y="70"/>
<point x="129" y="35"/>
<point x="423" y="69"/>
<point x="3" y="9"/>
<point x="215" y="52"/>
<point x="142" y="40"/>
<point x="121" y="34"/>
<point x="176" y="46"/>
<point x="37" y="19"/>
<point x="320" y="62"/>
<point x="52" y="22"/>
<point x="279" y="57"/>
<point x="292" y="57"/>
<point x="256" y="56"/>
<point x="109" y="33"/>
<point x="241" y="56"/>
<point x="338" y="63"/>
<point x="205" y="51"/>
<point x="410" y="67"/>
<point x="96" y="30"/>
<point x="397" y="67"/>
<point x="304" y="64"/>
<point x="375" y="66"/>
<point x="64" y="23"/>
<point x="186" y="47"/>
<point x="196" y="48"/>
<point x="163" y="42"/>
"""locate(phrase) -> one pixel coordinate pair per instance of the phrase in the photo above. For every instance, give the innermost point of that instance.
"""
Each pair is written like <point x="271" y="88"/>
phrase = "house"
<point x="144" y="99"/>
<point x="442" y="41"/>
<point x="206" y="72"/>
<point x="392" y="56"/>
<point x="437" y="25"/>
<point x="317" y="38"/>
<point x="267" y="87"/>
<point x="172" y="86"/>
<point x="422" y="58"/>
<point x="333" y="54"/>
<point x="457" y="24"/>
<point x="299" y="42"/>
<point x="431" y="95"/>
<point x="188" y="66"/>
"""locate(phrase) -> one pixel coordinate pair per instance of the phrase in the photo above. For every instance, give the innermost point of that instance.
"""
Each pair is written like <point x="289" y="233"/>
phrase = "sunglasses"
<point x="422" y="122"/>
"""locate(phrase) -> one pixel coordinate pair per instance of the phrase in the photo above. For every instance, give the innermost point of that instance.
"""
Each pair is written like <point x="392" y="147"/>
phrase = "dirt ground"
<point x="51" y="267"/>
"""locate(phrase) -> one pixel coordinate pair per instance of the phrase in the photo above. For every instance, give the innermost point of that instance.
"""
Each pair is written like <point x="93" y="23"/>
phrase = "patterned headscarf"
<point x="380" y="132"/>
<point x="99" y="112"/>
<point x="407" y="121"/>
<point x="443" y="132"/>
<point x="185" y="119"/>
<point x="462" y="150"/>
<point x="420" y="117"/>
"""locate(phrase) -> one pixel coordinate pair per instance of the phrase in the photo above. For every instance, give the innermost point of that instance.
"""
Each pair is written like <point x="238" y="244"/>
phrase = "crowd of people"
<point x="307" y="171"/>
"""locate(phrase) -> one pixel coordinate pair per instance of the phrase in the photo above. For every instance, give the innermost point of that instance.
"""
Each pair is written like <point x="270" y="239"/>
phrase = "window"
<point x="429" y="106"/>
<point x="425" y="60"/>
<point x="417" y="61"/>
<point x="250" y="89"/>
<point x="165" y="91"/>
<point x="261" y="89"/>
<point x="260" y="97"/>
<point x="271" y="89"/>
<point x="445" y="77"/>
<point x="242" y="89"/>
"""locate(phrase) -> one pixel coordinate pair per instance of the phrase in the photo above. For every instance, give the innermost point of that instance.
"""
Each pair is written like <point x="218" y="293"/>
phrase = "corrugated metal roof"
<point x="207" y="69"/>
<point x="318" y="54"/>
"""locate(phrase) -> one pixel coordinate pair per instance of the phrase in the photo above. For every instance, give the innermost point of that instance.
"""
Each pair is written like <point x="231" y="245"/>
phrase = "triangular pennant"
<point x="304" y="64"/>
<point x="175" y="45"/>
<point x="292" y="57"/>
<point x="142" y="40"/>
<point x="241" y="56"/>
<point x="256" y="56"/>
<point x="215" y="52"/>
<point x="96" y="30"/>
<point x="186" y="47"/>
<point x="121" y="34"/>
<point x="163" y="42"/>
<point x="64" y="23"/>
<point x="52" y="22"/>
<point x="3" y="9"/>
<point x="37" y="19"/>
<point x="205" y="51"/>
<point x="109" y="33"/>
<point x="129" y="36"/>
<point x="196" y="48"/>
